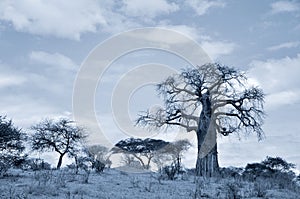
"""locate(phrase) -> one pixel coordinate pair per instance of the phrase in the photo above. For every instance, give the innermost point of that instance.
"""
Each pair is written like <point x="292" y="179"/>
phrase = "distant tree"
<point x="99" y="157"/>
<point x="99" y="153"/>
<point x="208" y="99"/>
<point x="140" y="149"/>
<point x="271" y="168"/>
<point x="131" y="161"/>
<point x="175" y="150"/>
<point x="162" y="159"/>
<point x="298" y="179"/>
<point x="253" y="170"/>
<point x="11" y="145"/>
<point x="61" y="136"/>
<point x="278" y="163"/>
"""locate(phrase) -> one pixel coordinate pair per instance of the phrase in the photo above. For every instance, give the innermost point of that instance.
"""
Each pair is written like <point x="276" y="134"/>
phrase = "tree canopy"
<point x="11" y="144"/>
<point x="140" y="148"/>
<point x="61" y="136"/>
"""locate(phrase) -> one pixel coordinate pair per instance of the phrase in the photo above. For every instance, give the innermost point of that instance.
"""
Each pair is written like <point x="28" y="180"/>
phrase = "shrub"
<point x="230" y="172"/>
<point x="254" y="170"/>
<point x="170" y="171"/>
<point x="4" y="166"/>
<point x="36" y="164"/>
<point x="260" y="189"/>
<point x="11" y="145"/>
<point x="98" y="166"/>
<point x="232" y="190"/>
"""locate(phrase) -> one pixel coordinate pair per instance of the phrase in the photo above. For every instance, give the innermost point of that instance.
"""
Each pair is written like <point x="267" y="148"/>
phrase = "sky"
<point x="45" y="44"/>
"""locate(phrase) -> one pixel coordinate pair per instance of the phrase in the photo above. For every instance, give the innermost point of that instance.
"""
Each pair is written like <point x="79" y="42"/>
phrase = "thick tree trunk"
<point x="207" y="160"/>
<point x="208" y="165"/>
<point x="60" y="161"/>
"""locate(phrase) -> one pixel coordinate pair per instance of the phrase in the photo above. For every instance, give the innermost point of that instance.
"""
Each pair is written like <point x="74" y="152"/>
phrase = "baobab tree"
<point x="210" y="99"/>
<point x="62" y="136"/>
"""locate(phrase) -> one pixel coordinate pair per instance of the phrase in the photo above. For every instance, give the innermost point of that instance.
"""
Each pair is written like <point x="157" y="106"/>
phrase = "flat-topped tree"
<point x="139" y="148"/>
<point x="210" y="99"/>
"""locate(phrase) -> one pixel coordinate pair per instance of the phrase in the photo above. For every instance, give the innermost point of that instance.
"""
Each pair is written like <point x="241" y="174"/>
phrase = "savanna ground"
<point x="117" y="184"/>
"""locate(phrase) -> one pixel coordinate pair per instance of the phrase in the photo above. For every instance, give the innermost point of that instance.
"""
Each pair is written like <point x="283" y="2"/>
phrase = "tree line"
<point x="65" y="138"/>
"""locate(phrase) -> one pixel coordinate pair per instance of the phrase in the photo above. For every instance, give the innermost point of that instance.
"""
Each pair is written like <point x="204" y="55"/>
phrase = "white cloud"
<point x="7" y="80"/>
<point x="282" y="98"/>
<point x="148" y="9"/>
<point x="215" y="49"/>
<point x="192" y="32"/>
<point x="65" y="19"/>
<point x="56" y="59"/>
<point x="277" y="75"/>
<point x="27" y="110"/>
<point x="279" y="78"/>
<point x="202" y="6"/>
<point x="284" y="45"/>
<point x="284" y="6"/>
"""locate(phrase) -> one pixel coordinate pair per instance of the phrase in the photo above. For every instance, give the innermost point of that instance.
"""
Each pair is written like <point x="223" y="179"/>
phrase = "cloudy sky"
<point x="44" y="43"/>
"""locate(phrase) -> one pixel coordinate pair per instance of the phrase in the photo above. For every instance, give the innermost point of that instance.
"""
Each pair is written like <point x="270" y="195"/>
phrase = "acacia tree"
<point x="61" y="136"/>
<point x="11" y="145"/>
<point x="139" y="149"/>
<point x="210" y="99"/>
<point x="278" y="164"/>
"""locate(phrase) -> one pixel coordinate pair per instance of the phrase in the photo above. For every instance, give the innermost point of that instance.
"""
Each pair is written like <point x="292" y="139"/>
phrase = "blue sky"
<point x="43" y="44"/>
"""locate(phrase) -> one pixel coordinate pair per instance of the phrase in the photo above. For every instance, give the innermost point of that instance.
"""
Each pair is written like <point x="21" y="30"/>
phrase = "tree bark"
<point x="60" y="161"/>
<point x="207" y="159"/>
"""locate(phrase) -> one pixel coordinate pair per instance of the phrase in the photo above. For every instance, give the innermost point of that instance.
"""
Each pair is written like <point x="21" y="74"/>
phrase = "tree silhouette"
<point x="11" y="144"/>
<point x="208" y="99"/>
<point x="63" y="137"/>
<point x="278" y="163"/>
<point x="139" y="149"/>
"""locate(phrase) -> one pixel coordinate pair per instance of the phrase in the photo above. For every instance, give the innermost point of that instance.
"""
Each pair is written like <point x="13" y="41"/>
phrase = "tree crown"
<point x="234" y="104"/>
<point x="62" y="136"/>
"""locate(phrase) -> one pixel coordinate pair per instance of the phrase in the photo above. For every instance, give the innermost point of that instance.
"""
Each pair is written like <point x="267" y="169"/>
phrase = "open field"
<point x="114" y="183"/>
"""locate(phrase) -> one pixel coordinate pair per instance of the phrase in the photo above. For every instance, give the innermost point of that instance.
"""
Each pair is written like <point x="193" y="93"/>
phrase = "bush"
<point x="87" y="163"/>
<point x="232" y="190"/>
<point x="36" y="164"/>
<point x="274" y="170"/>
<point x="4" y="166"/>
<point x="232" y="172"/>
<point x="254" y="170"/>
<point x="98" y="166"/>
<point x="260" y="189"/>
<point x="170" y="172"/>
<point x="11" y="145"/>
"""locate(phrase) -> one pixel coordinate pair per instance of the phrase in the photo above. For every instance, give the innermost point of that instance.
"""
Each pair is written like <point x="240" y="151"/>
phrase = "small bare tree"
<point x="172" y="152"/>
<point x="208" y="99"/>
<point x="99" y="156"/>
<point x="62" y="136"/>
